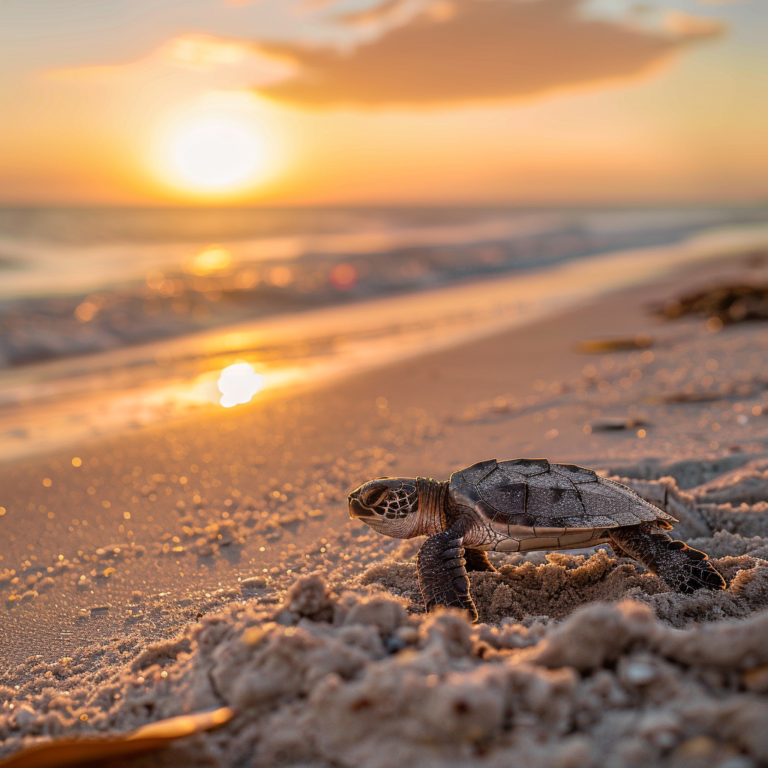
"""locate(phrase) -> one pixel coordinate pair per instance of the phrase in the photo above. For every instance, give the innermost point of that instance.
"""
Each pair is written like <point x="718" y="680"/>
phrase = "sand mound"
<point x="564" y="583"/>
<point x="354" y="680"/>
<point x="578" y="660"/>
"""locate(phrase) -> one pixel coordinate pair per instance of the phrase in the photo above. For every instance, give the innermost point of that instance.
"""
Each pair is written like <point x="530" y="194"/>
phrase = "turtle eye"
<point x="375" y="496"/>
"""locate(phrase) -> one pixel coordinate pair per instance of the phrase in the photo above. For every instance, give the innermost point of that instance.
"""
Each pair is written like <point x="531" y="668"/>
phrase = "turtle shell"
<point x="528" y="504"/>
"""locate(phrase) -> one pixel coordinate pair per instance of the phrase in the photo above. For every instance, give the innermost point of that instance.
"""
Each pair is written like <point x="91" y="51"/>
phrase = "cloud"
<point x="479" y="50"/>
<point x="233" y="60"/>
<point x="689" y="26"/>
<point x="316" y="5"/>
<point x="203" y="52"/>
<point x="386" y="11"/>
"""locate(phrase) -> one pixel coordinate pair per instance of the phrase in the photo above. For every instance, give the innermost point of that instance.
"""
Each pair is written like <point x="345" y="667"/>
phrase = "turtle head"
<point x="389" y="505"/>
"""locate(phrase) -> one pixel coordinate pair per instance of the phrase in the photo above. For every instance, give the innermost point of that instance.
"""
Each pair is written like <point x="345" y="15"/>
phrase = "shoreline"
<point x="51" y="405"/>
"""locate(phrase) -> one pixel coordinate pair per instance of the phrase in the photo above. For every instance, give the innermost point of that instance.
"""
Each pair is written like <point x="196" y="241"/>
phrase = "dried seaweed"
<point x="729" y="303"/>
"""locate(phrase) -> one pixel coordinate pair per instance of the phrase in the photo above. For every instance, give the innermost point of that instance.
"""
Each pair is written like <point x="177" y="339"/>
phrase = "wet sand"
<point x="219" y="516"/>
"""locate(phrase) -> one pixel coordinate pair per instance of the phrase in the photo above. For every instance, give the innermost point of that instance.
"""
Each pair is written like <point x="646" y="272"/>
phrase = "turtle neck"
<point x="432" y="496"/>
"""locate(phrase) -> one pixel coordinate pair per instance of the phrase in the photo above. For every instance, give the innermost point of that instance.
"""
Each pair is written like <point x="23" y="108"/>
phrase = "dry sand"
<point x="212" y="563"/>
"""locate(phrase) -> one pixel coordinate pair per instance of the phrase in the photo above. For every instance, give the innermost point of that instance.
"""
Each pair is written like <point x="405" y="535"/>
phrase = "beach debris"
<point x="734" y="303"/>
<point x="100" y="610"/>
<point x="253" y="583"/>
<point x="523" y="505"/>
<point x="113" y="746"/>
<point x="620" y="344"/>
<point x="499" y="408"/>
<point x="703" y="395"/>
<point x="616" y="424"/>
<point x="671" y="398"/>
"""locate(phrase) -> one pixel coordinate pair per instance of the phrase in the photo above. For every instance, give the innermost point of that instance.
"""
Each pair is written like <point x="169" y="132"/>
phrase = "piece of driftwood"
<point x="601" y="346"/>
<point x="616" y="425"/>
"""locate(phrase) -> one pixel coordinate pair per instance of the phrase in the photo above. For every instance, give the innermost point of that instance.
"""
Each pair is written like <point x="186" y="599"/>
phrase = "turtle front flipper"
<point x="683" y="568"/>
<point x="442" y="573"/>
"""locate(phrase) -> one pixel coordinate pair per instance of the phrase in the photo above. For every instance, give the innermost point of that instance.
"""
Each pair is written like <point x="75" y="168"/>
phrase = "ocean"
<point x="78" y="281"/>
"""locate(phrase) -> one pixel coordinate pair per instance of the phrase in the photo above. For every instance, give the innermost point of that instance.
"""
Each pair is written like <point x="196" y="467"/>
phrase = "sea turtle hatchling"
<point x="521" y="506"/>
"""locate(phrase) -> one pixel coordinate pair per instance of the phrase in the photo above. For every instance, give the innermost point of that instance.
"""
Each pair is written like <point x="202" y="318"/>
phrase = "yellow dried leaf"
<point x="149" y="738"/>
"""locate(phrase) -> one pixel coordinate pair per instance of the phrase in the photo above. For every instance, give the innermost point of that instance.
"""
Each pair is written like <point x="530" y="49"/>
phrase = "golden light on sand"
<point x="238" y="383"/>
<point x="217" y="155"/>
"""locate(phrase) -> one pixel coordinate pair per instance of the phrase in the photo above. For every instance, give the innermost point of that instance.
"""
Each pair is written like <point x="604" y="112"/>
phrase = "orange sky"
<point x="385" y="101"/>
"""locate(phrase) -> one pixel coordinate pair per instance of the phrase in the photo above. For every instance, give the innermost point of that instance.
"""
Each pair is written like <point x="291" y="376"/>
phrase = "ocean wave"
<point x="82" y="283"/>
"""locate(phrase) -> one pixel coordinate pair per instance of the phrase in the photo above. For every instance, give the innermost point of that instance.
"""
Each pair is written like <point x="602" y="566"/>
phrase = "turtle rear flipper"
<point x="683" y="568"/>
<point x="442" y="573"/>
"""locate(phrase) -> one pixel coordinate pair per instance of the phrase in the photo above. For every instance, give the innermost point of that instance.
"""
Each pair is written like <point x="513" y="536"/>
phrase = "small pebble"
<point x="639" y="673"/>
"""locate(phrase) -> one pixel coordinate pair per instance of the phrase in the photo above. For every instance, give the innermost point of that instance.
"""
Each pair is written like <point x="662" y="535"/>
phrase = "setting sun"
<point x="217" y="156"/>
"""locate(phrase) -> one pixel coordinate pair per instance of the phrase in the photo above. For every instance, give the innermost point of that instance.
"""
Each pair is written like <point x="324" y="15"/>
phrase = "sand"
<point x="211" y="563"/>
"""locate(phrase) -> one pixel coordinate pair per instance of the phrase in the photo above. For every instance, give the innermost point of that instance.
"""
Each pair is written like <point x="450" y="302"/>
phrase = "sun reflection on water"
<point x="213" y="259"/>
<point x="238" y="383"/>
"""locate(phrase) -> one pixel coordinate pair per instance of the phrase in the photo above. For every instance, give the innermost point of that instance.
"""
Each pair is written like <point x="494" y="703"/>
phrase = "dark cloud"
<point x="476" y="50"/>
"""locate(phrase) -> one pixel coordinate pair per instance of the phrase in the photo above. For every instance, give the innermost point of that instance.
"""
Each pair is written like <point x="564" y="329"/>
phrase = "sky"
<point x="356" y="102"/>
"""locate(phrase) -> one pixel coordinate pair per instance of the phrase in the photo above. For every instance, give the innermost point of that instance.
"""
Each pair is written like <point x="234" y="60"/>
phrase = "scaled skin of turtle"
<point x="521" y="506"/>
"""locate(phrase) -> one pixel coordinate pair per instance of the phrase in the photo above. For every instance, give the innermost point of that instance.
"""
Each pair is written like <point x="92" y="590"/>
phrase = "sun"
<point x="220" y="148"/>
<point x="217" y="155"/>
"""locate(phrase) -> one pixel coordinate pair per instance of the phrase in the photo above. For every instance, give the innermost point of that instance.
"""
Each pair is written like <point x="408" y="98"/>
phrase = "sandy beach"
<point x="282" y="280"/>
<point x="210" y="561"/>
